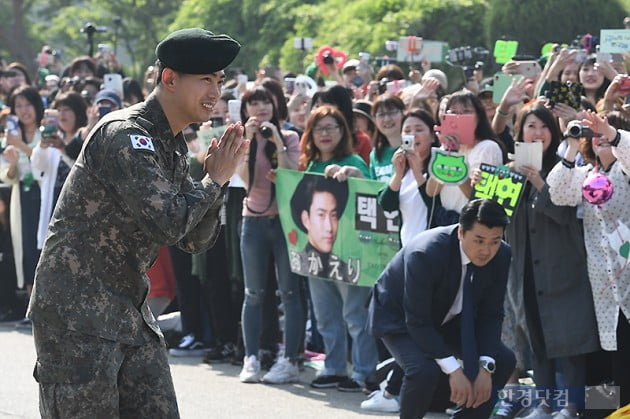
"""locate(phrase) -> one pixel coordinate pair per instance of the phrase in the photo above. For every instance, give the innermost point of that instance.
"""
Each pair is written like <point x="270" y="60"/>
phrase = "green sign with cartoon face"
<point x="448" y="167"/>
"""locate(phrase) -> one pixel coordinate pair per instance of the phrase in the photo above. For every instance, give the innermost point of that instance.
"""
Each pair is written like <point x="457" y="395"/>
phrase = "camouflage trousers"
<point x="83" y="376"/>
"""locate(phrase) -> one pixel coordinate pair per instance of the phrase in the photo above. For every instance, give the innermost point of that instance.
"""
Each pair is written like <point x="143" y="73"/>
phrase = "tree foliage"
<point x="552" y="21"/>
<point x="266" y="28"/>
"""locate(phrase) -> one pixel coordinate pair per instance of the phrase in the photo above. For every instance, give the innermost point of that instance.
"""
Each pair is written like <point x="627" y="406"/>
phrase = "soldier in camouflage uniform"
<point x="100" y="352"/>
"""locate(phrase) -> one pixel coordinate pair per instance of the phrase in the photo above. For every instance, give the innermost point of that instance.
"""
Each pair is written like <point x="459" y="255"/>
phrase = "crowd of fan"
<point x="239" y="302"/>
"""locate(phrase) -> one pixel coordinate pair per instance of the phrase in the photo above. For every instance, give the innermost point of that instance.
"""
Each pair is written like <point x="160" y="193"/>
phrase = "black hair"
<point x="387" y="101"/>
<point x="131" y="87"/>
<point x="547" y="117"/>
<point x="275" y="88"/>
<point x="425" y="117"/>
<point x="31" y="94"/>
<point x="74" y="101"/>
<point x="601" y="91"/>
<point x="308" y="186"/>
<point x="341" y="97"/>
<point x="83" y="60"/>
<point x="262" y="94"/>
<point x="483" y="130"/>
<point x="227" y="96"/>
<point x="16" y="66"/>
<point x="483" y="211"/>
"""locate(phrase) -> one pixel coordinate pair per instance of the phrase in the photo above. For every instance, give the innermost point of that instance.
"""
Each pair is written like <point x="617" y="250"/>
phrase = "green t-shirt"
<point x="383" y="169"/>
<point x="318" y="166"/>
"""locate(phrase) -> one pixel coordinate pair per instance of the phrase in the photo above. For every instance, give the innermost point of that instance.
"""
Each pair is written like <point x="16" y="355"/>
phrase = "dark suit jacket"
<point x="418" y="287"/>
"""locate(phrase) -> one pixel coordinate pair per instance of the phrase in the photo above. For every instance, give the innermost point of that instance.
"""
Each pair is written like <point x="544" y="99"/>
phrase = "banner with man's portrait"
<point x="335" y="230"/>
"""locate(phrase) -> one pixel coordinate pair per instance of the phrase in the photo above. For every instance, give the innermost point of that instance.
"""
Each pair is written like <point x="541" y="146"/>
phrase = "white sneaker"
<point x="377" y="402"/>
<point x="251" y="370"/>
<point x="539" y="413"/>
<point x="283" y="371"/>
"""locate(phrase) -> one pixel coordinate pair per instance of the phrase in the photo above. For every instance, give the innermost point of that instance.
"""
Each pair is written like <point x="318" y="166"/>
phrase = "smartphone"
<point x="50" y="126"/>
<point x="528" y="154"/>
<point x="580" y="56"/>
<point x="395" y="86"/>
<point x="289" y="85"/>
<point x="624" y="86"/>
<point x="568" y="93"/>
<point x="113" y="81"/>
<point x="103" y="110"/>
<point x="217" y="121"/>
<point x="241" y="79"/>
<point x="463" y="126"/>
<point x="407" y="142"/>
<point x="501" y="83"/>
<point x="529" y="69"/>
<point x="12" y="125"/>
<point x="234" y="109"/>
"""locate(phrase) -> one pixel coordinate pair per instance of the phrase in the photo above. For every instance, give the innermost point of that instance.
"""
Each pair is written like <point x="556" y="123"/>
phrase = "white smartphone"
<point x="234" y="109"/>
<point x="529" y="69"/>
<point x="113" y="81"/>
<point x="528" y="154"/>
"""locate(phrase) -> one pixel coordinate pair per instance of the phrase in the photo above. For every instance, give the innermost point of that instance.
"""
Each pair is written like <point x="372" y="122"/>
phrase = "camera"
<point x="266" y="132"/>
<point x="407" y="142"/>
<point x="575" y="129"/>
<point x="327" y="58"/>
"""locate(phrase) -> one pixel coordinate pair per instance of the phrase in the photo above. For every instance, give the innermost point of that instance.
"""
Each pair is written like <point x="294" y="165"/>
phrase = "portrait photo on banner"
<point x="335" y="230"/>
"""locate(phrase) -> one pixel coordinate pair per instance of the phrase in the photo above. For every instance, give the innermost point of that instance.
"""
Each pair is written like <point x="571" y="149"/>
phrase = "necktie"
<point x="469" y="344"/>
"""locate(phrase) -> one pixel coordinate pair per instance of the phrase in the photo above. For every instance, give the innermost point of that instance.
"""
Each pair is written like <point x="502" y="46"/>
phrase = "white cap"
<point x="438" y="75"/>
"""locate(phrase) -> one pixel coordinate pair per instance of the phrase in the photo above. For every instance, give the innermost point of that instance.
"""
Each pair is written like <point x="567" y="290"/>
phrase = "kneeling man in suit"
<point x="441" y="298"/>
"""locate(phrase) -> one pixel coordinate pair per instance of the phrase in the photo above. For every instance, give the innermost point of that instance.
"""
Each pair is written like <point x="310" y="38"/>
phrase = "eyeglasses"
<point x="327" y="129"/>
<point x="391" y="114"/>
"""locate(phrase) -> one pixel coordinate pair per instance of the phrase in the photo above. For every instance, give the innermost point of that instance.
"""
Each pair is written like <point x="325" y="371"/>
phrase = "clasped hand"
<point x="224" y="155"/>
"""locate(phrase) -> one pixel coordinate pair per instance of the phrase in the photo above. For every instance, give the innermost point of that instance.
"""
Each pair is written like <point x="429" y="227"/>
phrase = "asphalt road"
<point x="203" y="391"/>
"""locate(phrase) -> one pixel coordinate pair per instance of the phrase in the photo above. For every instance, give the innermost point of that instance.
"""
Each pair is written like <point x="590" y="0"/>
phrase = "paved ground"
<point x="203" y="391"/>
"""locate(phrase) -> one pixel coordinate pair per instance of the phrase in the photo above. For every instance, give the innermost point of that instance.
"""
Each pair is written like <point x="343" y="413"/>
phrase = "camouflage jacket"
<point x="128" y="193"/>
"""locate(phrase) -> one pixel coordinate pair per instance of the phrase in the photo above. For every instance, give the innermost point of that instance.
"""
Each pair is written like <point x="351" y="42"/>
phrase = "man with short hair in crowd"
<point x="441" y="297"/>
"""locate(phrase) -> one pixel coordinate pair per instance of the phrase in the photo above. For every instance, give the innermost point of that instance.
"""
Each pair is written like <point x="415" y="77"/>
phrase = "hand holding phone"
<point x="528" y="154"/>
<point x="624" y="86"/>
<point x="12" y="125"/>
<point x="529" y="69"/>
<point x="50" y="123"/>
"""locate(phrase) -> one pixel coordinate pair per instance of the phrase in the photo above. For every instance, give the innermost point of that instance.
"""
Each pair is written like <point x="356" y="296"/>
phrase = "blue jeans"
<point x="339" y="306"/>
<point x="262" y="238"/>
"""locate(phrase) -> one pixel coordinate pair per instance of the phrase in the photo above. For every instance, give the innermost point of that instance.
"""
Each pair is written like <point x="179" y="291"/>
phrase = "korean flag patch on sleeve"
<point x="141" y="142"/>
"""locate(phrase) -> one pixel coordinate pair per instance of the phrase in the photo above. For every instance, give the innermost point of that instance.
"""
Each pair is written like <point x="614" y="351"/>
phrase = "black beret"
<point x="197" y="51"/>
<point x="303" y="196"/>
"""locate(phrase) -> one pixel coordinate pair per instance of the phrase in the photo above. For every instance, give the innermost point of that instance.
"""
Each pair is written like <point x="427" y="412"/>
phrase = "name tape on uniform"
<point x="141" y="142"/>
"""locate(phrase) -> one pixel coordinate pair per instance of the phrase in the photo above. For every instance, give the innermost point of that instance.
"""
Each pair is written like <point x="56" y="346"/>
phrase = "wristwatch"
<point x="487" y="365"/>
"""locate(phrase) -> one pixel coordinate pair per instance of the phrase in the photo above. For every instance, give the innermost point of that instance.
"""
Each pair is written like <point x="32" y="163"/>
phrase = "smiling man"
<point x="316" y="206"/>
<point x="100" y="352"/>
<point x="441" y="298"/>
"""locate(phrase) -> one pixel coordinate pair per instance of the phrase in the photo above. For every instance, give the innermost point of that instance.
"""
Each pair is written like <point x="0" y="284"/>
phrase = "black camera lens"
<point x="575" y="131"/>
<point x="266" y="132"/>
<point x="327" y="59"/>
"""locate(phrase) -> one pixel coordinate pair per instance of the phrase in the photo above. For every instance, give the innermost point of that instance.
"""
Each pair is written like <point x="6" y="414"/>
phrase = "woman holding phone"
<point x="484" y="148"/>
<point x="27" y="109"/>
<point x="49" y="160"/>
<point x="548" y="278"/>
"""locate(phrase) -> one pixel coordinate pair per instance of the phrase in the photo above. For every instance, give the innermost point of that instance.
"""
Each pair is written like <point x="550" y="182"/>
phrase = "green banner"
<point x="335" y="230"/>
<point x="500" y="184"/>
